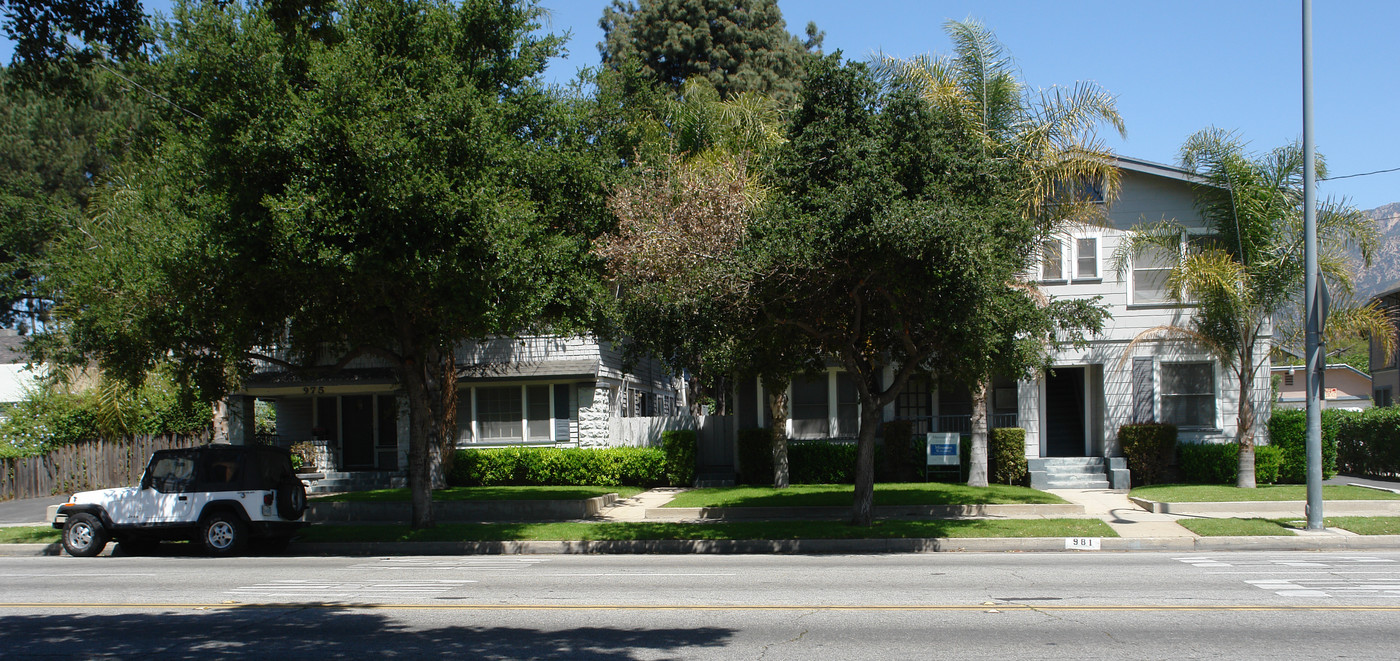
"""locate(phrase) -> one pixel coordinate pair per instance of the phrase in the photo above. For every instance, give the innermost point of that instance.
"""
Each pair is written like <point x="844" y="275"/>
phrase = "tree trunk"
<point x="977" y="461"/>
<point x="864" y="507"/>
<point x="1245" y="428"/>
<point x="778" y="406"/>
<point x="422" y="375"/>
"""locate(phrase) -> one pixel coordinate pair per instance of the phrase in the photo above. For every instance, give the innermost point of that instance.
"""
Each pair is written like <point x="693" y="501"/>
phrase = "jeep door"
<point x="165" y="491"/>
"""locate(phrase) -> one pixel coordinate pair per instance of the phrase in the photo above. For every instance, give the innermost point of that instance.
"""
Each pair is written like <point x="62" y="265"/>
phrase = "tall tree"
<point x="386" y="180"/>
<point x="56" y="145"/>
<point x="741" y="46"/>
<point x="44" y="31"/>
<point x="685" y="294"/>
<point x="1249" y="269"/>
<point x="1050" y="137"/>
<point x="895" y="242"/>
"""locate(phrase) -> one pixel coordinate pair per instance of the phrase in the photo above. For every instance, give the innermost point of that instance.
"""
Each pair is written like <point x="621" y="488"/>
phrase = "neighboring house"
<point x="1075" y="408"/>
<point x="15" y="377"/>
<point x="548" y="391"/>
<point x="1343" y="387"/>
<point x="1385" y="377"/>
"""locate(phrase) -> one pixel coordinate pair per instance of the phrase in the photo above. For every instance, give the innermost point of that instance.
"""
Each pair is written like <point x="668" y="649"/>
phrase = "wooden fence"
<point x="87" y="465"/>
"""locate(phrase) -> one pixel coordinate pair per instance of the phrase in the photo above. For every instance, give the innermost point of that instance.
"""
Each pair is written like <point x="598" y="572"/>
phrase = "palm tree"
<point x="1249" y="269"/>
<point x="1049" y="134"/>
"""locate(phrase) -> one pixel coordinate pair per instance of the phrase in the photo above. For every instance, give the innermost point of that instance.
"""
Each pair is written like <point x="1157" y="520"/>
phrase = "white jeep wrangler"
<point x="218" y="495"/>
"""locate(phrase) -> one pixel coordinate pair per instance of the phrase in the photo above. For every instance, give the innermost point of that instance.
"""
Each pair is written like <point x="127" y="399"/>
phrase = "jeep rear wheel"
<point x="222" y="533"/>
<point x="84" y="536"/>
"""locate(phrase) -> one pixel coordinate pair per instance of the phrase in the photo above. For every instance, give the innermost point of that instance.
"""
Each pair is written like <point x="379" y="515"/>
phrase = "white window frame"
<point x="1079" y="255"/>
<point x="1215" y="378"/>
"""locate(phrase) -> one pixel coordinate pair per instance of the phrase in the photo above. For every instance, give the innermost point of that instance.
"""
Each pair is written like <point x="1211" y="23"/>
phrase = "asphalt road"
<point x="949" y="605"/>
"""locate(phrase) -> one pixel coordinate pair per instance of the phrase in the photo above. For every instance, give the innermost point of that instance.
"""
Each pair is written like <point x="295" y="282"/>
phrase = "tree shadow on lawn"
<point x="841" y="495"/>
<point x="327" y="631"/>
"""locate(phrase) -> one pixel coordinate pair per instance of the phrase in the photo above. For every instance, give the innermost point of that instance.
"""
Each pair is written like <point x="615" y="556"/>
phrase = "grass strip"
<point x="843" y="495"/>
<point x="1361" y="525"/>
<point x="1219" y="493"/>
<point x="30" y="535"/>
<point x="482" y="493"/>
<point x="1235" y="527"/>
<point x="570" y="531"/>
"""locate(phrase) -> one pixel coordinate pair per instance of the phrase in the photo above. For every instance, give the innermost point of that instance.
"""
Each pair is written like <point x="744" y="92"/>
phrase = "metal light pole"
<point x="1313" y="301"/>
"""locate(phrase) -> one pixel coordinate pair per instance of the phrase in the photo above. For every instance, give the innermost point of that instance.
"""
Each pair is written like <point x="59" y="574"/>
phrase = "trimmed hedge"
<point x="1368" y="443"/>
<point x="1267" y="462"/>
<point x="756" y="457"/>
<point x="1148" y="448"/>
<point x="679" y="447"/>
<point x="1288" y="432"/>
<point x="1209" y="463"/>
<point x="1006" y="455"/>
<point x="1219" y="463"/>
<point x="641" y="467"/>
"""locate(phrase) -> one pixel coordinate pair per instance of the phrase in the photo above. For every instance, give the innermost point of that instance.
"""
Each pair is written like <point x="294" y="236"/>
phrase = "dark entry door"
<point x="357" y="431"/>
<point x="1064" y="412"/>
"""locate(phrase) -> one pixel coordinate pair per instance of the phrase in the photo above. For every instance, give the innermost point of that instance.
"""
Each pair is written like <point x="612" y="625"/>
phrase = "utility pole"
<point x="1313" y="300"/>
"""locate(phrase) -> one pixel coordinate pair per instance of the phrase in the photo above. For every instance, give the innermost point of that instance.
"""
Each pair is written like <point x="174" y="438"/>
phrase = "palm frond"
<point x="1169" y="332"/>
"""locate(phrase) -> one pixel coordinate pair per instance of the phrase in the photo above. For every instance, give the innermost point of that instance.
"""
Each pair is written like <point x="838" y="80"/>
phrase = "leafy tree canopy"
<point x="738" y="46"/>
<point x="388" y="179"/>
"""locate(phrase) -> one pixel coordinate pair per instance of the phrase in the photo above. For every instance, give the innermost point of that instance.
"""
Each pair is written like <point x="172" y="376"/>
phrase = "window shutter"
<point x="1143" y="390"/>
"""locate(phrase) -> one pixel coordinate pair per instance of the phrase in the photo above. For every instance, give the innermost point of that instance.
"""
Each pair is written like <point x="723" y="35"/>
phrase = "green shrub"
<point x="756" y="456"/>
<point x="679" y="446"/>
<point x="1369" y="443"/>
<point x="1287" y="430"/>
<point x="1148" y="448"/>
<point x="1208" y="463"/>
<point x="642" y="467"/>
<point x="1006" y="455"/>
<point x="1267" y="459"/>
<point x="823" y="462"/>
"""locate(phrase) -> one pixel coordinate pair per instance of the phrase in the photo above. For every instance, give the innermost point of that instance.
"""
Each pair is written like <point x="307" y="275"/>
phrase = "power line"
<point x="1359" y="174"/>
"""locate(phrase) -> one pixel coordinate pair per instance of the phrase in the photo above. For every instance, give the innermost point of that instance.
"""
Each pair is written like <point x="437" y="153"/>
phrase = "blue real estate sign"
<point x="943" y="449"/>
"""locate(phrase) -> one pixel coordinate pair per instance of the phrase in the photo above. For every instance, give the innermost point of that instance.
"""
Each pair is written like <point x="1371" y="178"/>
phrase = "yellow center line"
<point x="710" y="607"/>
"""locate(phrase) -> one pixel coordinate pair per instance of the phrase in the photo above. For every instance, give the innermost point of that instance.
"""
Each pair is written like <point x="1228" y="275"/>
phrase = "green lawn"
<point x="497" y="532"/>
<point x="30" y="535"/>
<point x="1234" y="527"/>
<point x="1213" y="493"/>
<point x="485" y="493"/>
<point x="1361" y="525"/>
<point x="837" y="495"/>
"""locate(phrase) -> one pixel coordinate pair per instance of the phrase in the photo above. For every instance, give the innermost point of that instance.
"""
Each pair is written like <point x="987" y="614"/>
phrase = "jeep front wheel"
<point x="84" y="536"/>
<point x="222" y="533"/>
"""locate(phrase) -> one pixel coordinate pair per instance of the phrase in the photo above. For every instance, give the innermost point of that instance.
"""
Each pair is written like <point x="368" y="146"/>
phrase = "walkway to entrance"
<point x="1126" y="519"/>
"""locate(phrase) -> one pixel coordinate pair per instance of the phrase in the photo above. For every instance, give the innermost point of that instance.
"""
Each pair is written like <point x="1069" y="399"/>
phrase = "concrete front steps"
<point x="1079" y="473"/>
<point x="342" y="481"/>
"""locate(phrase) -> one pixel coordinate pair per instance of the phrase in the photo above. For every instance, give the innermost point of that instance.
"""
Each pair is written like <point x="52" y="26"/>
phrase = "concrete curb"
<point x="1272" y="508"/>
<point x="457" y="511"/>
<point x="814" y="546"/>
<point x="844" y="512"/>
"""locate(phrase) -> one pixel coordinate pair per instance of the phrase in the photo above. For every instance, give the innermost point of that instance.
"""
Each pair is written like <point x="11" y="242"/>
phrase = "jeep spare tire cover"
<point x="291" y="499"/>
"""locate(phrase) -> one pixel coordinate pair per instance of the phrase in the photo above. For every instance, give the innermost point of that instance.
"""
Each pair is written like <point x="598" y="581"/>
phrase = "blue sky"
<point x="1176" y="67"/>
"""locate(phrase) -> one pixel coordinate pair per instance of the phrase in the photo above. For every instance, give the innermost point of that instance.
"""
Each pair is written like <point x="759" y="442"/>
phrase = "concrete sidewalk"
<point x="1121" y="514"/>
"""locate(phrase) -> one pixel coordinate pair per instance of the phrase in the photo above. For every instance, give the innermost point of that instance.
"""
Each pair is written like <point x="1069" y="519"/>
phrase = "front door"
<point x="357" y="431"/>
<point x="1064" y="412"/>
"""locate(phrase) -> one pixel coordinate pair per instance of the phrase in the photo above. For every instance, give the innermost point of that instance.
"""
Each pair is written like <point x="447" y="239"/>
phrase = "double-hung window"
<point x="1086" y="258"/>
<point x="1188" y="394"/>
<point x="1151" y="267"/>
